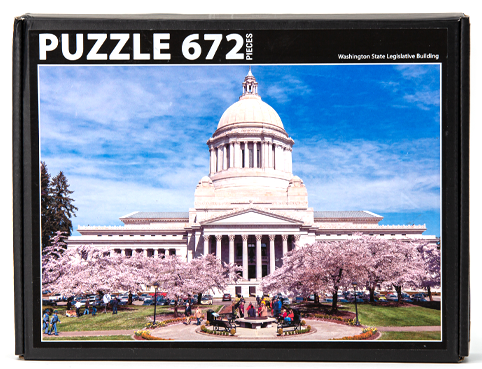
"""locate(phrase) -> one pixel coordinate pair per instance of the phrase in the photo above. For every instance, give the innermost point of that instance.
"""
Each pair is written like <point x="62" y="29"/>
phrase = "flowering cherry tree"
<point x="330" y="265"/>
<point x="85" y="268"/>
<point x="431" y="257"/>
<point x="323" y="266"/>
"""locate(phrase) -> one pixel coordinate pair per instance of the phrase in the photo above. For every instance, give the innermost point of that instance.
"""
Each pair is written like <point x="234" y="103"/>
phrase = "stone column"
<point x="218" y="246"/>
<point x="206" y="244"/>
<point x="285" y="244"/>
<point x="270" y="155"/>
<point x="196" y="240"/>
<point x="246" y="154"/>
<point x="156" y="253"/>
<point x="290" y="160"/>
<point x="219" y="159"/>
<point x="211" y="154"/>
<point x="295" y="241"/>
<point x="272" y="255"/>
<point x="259" y="258"/>
<point x="237" y="155"/>
<point x="225" y="157"/>
<point x="123" y="252"/>
<point x="255" y="155"/>
<point x="145" y="252"/>
<point x="231" y="248"/>
<point x="245" y="256"/>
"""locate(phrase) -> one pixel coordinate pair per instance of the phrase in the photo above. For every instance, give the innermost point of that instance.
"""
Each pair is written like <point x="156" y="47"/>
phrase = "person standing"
<point x="258" y="300"/>
<point x="199" y="315"/>
<point x="77" y="308"/>
<point x="53" y="323"/>
<point x="115" y="303"/>
<point x="69" y="303"/>
<point x="87" y="305"/>
<point x="251" y="311"/>
<point x="264" y="310"/>
<point x="187" y="313"/>
<point x="241" y="309"/>
<point x="45" y="319"/>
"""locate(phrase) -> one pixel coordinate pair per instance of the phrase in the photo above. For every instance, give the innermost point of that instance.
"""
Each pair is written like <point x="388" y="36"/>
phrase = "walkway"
<point x="321" y="331"/>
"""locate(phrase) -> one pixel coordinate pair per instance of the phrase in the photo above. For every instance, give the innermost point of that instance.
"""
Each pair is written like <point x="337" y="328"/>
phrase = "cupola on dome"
<point x="250" y="108"/>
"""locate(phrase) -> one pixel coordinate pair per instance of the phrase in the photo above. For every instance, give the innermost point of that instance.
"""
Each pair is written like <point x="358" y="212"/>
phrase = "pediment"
<point x="252" y="217"/>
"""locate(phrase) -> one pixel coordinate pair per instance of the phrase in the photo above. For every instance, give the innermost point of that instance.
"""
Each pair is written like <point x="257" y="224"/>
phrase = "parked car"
<point x="343" y="300"/>
<point x="285" y="301"/>
<point x="226" y="297"/>
<point x="47" y="302"/>
<point x="329" y="299"/>
<point x="56" y="297"/>
<point x="382" y="299"/>
<point x="311" y="297"/>
<point x="148" y="302"/>
<point x="207" y="300"/>
<point x="144" y="296"/>
<point x="419" y="297"/>
<point x="391" y="297"/>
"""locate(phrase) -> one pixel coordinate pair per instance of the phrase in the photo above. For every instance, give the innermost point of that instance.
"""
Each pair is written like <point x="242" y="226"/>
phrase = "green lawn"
<point x="92" y="338"/>
<point x="135" y="317"/>
<point x="387" y="316"/>
<point x="409" y="336"/>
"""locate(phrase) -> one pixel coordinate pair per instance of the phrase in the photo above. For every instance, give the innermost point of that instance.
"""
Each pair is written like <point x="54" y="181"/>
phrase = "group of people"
<point x="50" y="323"/>
<point x="87" y="308"/>
<point x="198" y="314"/>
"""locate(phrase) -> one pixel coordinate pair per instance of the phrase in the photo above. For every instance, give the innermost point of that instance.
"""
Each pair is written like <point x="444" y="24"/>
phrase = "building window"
<point x="258" y="159"/>
<point x="243" y="165"/>
<point x="99" y="235"/>
<point x="328" y="235"/>
<point x="381" y="235"/>
<point x="251" y="158"/>
<point x="393" y="235"/>
<point x="339" y="235"/>
<point x="263" y="250"/>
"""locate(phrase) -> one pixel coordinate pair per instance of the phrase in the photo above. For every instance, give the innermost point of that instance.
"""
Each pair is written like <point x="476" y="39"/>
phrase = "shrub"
<point x="367" y="333"/>
<point x="233" y="332"/>
<point x="280" y="331"/>
<point x="147" y="336"/>
<point x="303" y="322"/>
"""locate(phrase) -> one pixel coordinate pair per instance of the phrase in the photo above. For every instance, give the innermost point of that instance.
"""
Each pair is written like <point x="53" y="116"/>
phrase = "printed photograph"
<point x="240" y="203"/>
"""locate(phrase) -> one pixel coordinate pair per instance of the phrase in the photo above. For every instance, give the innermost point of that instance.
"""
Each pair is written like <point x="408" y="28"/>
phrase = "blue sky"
<point x="133" y="138"/>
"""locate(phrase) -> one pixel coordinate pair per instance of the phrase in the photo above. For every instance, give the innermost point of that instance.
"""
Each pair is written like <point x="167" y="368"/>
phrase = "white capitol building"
<point x="250" y="209"/>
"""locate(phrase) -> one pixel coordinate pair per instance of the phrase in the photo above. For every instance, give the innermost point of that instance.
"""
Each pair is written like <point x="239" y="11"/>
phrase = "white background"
<point x="10" y="9"/>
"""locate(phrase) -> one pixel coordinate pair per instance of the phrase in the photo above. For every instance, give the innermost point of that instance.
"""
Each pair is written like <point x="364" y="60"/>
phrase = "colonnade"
<point x="241" y="258"/>
<point x="250" y="154"/>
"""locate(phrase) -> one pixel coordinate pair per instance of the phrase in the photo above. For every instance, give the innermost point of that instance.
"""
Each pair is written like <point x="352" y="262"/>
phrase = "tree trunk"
<point x="398" y="289"/>
<point x="429" y="291"/>
<point x="334" y="305"/>
<point x="372" y="293"/>
<point x="129" y="301"/>
<point x="317" y="298"/>
<point x="175" y="308"/>
<point x="199" y="296"/>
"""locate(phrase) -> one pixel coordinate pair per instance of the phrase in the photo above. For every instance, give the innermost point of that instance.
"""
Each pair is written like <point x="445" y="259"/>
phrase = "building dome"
<point x="250" y="108"/>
